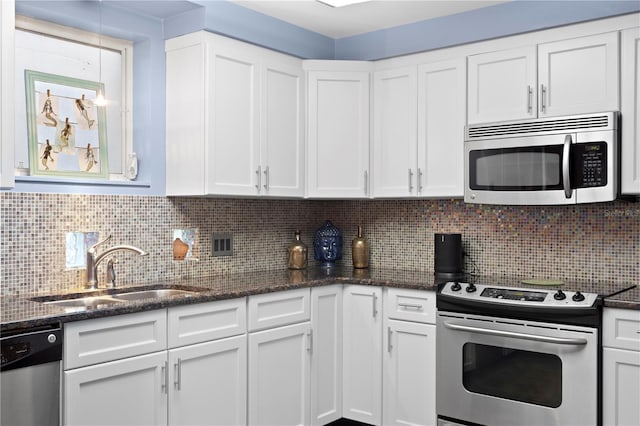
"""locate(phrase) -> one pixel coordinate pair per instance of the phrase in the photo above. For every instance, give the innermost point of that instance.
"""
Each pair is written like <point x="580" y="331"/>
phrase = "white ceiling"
<point x="362" y="17"/>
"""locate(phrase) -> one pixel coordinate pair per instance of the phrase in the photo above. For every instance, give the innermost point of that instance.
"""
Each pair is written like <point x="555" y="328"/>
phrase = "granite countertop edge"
<point x="21" y="312"/>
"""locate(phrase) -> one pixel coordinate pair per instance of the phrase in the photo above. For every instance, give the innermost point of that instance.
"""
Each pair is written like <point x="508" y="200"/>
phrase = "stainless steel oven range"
<point x="514" y="356"/>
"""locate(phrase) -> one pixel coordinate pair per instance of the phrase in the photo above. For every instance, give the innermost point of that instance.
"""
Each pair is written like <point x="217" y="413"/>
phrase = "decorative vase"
<point x="327" y="244"/>
<point x="297" y="253"/>
<point x="360" y="251"/>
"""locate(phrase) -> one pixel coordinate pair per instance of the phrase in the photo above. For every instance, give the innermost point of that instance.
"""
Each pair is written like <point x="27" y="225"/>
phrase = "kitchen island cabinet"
<point x="566" y="77"/>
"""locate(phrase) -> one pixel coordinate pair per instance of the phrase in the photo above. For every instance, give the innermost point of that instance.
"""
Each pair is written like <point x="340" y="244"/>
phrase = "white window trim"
<point x="125" y="47"/>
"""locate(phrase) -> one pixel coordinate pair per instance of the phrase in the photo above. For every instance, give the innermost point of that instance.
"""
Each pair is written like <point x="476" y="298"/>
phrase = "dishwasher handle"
<point x="31" y="348"/>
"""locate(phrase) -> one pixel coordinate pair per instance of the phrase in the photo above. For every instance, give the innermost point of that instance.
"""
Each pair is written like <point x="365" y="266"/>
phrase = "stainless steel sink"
<point x="85" y="303"/>
<point x="153" y="294"/>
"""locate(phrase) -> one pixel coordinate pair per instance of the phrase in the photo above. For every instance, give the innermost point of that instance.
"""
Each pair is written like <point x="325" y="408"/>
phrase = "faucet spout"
<point x="93" y="261"/>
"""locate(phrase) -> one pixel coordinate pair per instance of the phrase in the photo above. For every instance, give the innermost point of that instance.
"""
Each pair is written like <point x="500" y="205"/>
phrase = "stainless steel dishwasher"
<point x="30" y="377"/>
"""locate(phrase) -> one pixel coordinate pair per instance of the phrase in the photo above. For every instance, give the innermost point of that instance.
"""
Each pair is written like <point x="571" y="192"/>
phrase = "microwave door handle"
<point x="566" y="157"/>
<point x="515" y="335"/>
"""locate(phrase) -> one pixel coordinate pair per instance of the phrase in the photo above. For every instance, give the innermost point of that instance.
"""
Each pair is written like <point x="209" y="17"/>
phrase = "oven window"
<point x="516" y="169"/>
<point x="531" y="377"/>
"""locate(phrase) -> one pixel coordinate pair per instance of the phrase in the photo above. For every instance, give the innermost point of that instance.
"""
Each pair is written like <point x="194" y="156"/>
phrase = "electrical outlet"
<point x="222" y="245"/>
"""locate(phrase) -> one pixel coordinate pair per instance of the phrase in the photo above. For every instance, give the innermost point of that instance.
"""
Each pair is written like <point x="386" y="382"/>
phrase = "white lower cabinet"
<point x="208" y="383"/>
<point x="409" y="366"/>
<point x="326" y="354"/>
<point x="130" y="391"/>
<point x="621" y="367"/>
<point x="362" y="354"/>
<point x="279" y="371"/>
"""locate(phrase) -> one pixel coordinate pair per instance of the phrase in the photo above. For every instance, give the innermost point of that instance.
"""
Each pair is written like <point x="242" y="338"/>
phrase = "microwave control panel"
<point x="589" y="165"/>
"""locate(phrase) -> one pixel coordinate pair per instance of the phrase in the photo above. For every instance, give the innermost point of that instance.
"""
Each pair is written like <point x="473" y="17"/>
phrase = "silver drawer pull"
<point x="410" y="306"/>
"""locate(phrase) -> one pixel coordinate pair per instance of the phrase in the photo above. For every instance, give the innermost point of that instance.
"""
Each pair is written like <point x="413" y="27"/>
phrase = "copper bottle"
<point x="297" y="253"/>
<point x="360" y="251"/>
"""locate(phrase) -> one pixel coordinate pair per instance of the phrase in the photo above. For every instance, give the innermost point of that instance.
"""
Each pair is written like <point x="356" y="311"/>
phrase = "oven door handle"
<point x="545" y="339"/>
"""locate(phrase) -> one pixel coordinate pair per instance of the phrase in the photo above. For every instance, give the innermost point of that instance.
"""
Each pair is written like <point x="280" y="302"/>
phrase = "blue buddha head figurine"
<point x="327" y="244"/>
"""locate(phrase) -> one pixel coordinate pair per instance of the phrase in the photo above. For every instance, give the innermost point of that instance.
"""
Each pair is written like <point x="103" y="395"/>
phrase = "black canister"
<point x="448" y="256"/>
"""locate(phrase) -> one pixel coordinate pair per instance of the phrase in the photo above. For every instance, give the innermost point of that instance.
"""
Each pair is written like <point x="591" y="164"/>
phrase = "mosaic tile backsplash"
<point x="587" y="242"/>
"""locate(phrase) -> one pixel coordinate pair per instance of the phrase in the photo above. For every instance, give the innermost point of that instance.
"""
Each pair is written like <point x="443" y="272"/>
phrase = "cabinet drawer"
<point x="206" y="321"/>
<point x="411" y="305"/>
<point x="277" y="309"/>
<point x="107" y="339"/>
<point x="621" y="328"/>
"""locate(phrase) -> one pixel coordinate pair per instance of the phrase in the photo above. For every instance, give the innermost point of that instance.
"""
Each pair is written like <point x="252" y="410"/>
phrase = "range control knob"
<point x="559" y="295"/>
<point x="456" y="286"/>
<point x="578" y="297"/>
<point x="471" y="288"/>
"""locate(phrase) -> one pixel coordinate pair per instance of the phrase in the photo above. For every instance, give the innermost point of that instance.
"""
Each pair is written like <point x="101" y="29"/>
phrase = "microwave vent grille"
<point x="581" y="123"/>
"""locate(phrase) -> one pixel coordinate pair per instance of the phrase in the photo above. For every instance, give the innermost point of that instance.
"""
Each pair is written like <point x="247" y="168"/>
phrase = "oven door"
<point x="496" y="371"/>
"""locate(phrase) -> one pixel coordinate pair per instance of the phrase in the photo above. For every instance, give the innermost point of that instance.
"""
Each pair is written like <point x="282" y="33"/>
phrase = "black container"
<point x="448" y="256"/>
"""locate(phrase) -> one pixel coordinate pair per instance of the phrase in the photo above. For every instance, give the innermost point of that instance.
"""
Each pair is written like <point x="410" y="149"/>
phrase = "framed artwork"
<point x="66" y="129"/>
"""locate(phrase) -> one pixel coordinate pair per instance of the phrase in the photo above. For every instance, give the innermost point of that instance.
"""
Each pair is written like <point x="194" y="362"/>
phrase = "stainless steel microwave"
<point x="559" y="160"/>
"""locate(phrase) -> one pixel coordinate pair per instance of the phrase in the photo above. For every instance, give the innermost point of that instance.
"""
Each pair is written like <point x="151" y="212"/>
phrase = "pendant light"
<point x="100" y="100"/>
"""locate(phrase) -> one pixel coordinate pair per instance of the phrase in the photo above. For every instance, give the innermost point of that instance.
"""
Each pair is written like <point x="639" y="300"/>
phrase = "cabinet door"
<point x="409" y="374"/>
<point x="579" y="75"/>
<point x="208" y="383"/>
<point x="362" y="356"/>
<point x="630" y="107"/>
<point x="620" y="387"/>
<point x="282" y="128"/>
<point x="502" y="85"/>
<point x="7" y="105"/>
<point x="394" y="170"/>
<point x="338" y="134"/>
<point x="232" y="120"/>
<point x="441" y="117"/>
<point x="279" y="376"/>
<point x="326" y="354"/>
<point x="131" y="391"/>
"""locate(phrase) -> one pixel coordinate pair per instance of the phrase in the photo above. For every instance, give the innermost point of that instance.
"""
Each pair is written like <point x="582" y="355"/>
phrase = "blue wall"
<point x="148" y="35"/>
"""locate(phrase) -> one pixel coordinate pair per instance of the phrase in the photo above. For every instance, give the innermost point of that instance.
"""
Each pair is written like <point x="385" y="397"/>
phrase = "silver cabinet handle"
<point x="543" y="98"/>
<point x="419" y="180"/>
<point x="164" y="379"/>
<point x="375" y="304"/>
<point x="259" y="173"/>
<point x="389" y="346"/>
<point x="177" y="369"/>
<point x="410" y="305"/>
<point x="310" y="341"/>
<point x="266" y="178"/>
<point x="529" y="99"/>
<point x="410" y="181"/>
<point x="545" y="339"/>
<point x="366" y="182"/>
<point x="566" y="178"/>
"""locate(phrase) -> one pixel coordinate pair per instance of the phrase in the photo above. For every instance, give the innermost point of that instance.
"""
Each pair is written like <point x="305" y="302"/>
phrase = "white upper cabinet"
<point x="502" y="85"/>
<point x="395" y="143"/>
<point x="630" y="109"/>
<point x="234" y="119"/>
<point x="441" y="118"/>
<point x="567" y="77"/>
<point x="338" y="130"/>
<point x="7" y="106"/>
<point x="418" y="130"/>
<point x="578" y="76"/>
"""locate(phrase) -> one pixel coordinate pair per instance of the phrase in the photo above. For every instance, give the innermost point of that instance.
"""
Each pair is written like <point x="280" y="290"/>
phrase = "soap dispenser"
<point x="360" y="251"/>
<point x="297" y="253"/>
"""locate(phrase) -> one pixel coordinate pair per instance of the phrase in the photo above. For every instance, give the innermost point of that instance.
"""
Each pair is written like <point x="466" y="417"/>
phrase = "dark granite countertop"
<point x="22" y="312"/>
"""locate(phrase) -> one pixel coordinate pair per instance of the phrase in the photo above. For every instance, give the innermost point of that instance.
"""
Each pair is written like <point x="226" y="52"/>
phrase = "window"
<point x="65" y="51"/>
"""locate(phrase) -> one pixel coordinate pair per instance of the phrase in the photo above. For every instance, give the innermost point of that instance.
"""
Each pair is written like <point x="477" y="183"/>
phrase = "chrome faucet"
<point x="93" y="261"/>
